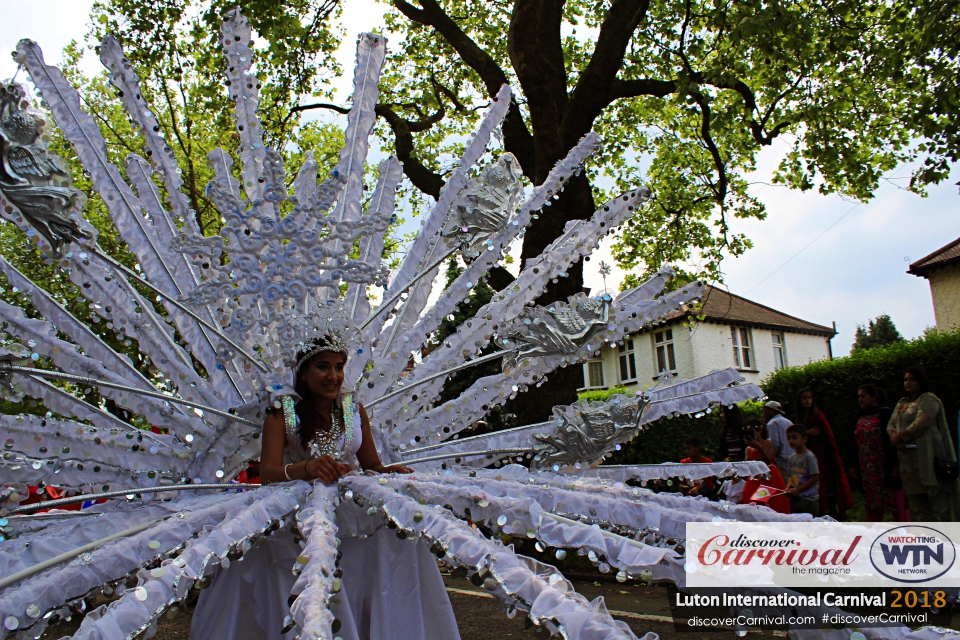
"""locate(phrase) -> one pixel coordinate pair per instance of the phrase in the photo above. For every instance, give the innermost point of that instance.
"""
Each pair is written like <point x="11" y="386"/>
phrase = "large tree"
<point x="684" y="92"/>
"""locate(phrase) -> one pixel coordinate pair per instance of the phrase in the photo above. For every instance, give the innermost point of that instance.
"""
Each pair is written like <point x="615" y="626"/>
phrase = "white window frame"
<point x="744" y="355"/>
<point x="664" y="339"/>
<point x="627" y="361"/>
<point x="779" y="350"/>
<point x="586" y="375"/>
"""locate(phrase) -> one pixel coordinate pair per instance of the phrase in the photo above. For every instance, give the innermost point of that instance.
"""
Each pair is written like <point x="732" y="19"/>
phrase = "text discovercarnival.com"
<point x="826" y="576"/>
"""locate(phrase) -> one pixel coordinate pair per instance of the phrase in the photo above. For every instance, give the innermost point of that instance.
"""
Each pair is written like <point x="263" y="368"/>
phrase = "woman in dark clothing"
<point x="731" y="434"/>
<point x="879" y="466"/>
<point x="835" y="495"/>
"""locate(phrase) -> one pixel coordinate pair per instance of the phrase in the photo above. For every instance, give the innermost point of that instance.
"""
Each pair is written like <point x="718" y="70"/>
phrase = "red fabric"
<point x="780" y="502"/>
<point x="833" y="479"/>
<point x="52" y="493"/>
<point x="250" y="475"/>
<point x="708" y="482"/>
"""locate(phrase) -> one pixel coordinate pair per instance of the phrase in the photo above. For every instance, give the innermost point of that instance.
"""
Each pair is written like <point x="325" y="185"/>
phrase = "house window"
<point x="779" y="351"/>
<point x="628" y="362"/>
<point x="742" y="348"/>
<point x="663" y="346"/>
<point x="595" y="374"/>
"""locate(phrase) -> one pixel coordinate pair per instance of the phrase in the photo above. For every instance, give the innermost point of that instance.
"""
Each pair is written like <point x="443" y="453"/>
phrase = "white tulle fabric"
<point x="519" y="581"/>
<point x="220" y="522"/>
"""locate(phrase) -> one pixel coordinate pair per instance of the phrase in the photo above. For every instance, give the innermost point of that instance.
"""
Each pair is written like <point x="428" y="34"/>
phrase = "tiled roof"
<point x="942" y="257"/>
<point x="721" y="306"/>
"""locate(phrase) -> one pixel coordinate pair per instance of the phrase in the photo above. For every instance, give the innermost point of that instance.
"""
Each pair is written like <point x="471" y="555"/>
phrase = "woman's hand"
<point x="894" y="439"/>
<point x="396" y="468"/>
<point x="813" y="431"/>
<point x="325" y="469"/>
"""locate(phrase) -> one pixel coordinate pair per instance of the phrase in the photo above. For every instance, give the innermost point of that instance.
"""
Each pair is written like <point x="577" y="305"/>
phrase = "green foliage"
<point x="834" y="382"/>
<point x="697" y="89"/>
<point x="878" y="332"/>
<point x="662" y="441"/>
<point x="599" y="395"/>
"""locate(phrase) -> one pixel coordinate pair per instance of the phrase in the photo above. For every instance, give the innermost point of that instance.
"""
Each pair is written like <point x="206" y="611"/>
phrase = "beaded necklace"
<point x="324" y="443"/>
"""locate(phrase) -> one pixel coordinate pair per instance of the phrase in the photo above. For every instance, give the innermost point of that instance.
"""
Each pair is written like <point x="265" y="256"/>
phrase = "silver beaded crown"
<point x="327" y="329"/>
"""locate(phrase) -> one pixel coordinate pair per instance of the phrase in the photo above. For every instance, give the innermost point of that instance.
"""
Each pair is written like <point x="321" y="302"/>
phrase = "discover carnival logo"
<point x="912" y="554"/>
<point x="820" y="554"/>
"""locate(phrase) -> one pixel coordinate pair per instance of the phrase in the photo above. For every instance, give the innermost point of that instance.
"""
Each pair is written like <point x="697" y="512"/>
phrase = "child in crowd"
<point x="697" y="487"/>
<point x="804" y="484"/>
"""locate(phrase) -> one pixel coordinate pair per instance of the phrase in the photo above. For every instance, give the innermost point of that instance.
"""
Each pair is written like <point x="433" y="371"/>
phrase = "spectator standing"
<point x="760" y="447"/>
<point x="918" y="429"/>
<point x="879" y="465"/>
<point x="835" y="494"/>
<point x="803" y="486"/>
<point x="703" y="487"/>
<point x="777" y="424"/>
<point x="731" y="447"/>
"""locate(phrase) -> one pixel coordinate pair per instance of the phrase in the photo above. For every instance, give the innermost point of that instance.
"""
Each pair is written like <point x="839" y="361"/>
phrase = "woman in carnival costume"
<point x="389" y="588"/>
<point x="245" y="332"/>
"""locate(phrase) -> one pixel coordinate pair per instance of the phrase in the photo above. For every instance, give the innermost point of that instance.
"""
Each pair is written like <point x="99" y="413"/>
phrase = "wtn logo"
<point x="912" y="553"/>
<point x="899" y="554"/>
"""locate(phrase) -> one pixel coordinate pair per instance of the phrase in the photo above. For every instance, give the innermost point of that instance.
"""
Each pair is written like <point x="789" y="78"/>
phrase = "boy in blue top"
<point x="803" y="486"/>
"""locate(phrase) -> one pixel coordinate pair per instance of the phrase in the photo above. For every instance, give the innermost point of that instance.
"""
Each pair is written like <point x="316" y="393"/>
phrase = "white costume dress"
<point x="391" y="588"/>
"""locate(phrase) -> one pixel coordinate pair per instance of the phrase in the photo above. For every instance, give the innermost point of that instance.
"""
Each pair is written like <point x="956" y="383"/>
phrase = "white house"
<point x="942" y="270"/>
<point x="734" y="332"/>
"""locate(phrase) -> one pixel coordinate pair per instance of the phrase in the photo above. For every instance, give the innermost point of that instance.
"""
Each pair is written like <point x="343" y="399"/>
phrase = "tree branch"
<point x="589" y="97"/>
<point x="534" y="45"/>
<point x="516" y="137"/>
<point x="640" y="87"/>
<point x="499" y="278"/>
<point x="721" y="190"/>
<point x="320" y="105"/>
<point x="421" y="176"/>
<point x="433" y="15"/>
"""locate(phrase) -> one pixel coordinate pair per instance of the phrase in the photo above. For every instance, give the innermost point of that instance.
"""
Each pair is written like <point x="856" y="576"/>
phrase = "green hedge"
<point x="662" y="441"/>
<point x="834" y="384"/>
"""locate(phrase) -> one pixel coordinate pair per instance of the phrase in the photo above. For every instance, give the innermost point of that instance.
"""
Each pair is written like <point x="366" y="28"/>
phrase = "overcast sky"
<point x="821" y="258"/>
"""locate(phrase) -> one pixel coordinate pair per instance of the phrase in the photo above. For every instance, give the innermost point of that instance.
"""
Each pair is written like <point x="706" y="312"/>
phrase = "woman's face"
<point x="910" y="384"/>
<point x="865" y="399"/>
<point x="323" y="374"/>
<point x="806" y="400"/>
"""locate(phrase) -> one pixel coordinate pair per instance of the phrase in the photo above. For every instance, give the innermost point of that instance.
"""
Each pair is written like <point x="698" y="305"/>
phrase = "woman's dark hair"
<point x="733" y="416"/>
<point x="305" y="408"/>
<point x="920" y="376"/>
<point x="757" y="425"/>
<point x="874" y="391"/>
<point x="802" y="413"/>
<point x="732" y="428"/>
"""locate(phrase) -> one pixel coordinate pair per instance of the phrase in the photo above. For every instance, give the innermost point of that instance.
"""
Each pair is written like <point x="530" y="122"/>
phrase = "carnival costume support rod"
<point x="388" y="304"/>
<point x="526" y="427"/>
<point x="467" y="454"/>
<point x="172" y="300"/>
<point x="440" y="374"/>
<point x="59" y="375"/>
<point x="50" y="504"/>
<point x="73" y="553"/>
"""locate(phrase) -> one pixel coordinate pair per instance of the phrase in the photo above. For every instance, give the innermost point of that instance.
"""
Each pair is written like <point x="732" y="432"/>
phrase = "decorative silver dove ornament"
<point x="484" y="209"/>
<point x="33" y="182"/>
<point x="562" y="328"/>
<point x="588" y="430"/>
